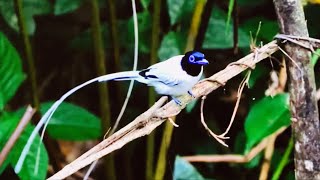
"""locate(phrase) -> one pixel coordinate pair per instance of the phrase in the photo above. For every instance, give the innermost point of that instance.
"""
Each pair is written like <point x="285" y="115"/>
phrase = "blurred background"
<point x="50" y="46"/>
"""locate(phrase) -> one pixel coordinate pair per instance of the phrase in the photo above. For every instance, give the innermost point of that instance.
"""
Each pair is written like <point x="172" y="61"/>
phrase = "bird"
<point x="173" y="77"/>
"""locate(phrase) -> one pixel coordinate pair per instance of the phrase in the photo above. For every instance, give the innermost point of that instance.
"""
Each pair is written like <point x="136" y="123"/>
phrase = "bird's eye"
<point x="192" y="58"/>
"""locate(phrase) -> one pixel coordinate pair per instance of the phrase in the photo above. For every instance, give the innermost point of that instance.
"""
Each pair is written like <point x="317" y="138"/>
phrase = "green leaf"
<point x="175" y="9"/>
<point x="257" y="73"/>
<point x="218" y="37"/>
<point x="66" y="6"/>
<point x="170" y="45"/>
<point x="11" y="74"/>
<point x="84" y="39"/>
<point x="184" y="170"/>
<point x="254" y="162"/>
<point x="181" y="12"/>
<point x="315" y="57"/>
<point x="267" y="31"/>
<point x="265" y="117"/>
<point x="230" y="9"/>
<point x="191" y="106"/>
<point x="8" y="123"/>
<point x="145" y="3"/>
<point x="144" y="28"/>
<point x="71" y="122"/>
<point x="126" y="36"/>
<point x="30" y="9"/>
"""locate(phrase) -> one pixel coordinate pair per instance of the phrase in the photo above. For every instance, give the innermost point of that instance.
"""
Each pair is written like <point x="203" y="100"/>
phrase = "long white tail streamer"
<point x="46" y="117"/>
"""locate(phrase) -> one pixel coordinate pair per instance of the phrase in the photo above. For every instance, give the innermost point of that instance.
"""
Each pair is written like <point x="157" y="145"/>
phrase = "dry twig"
<point x="17" y="132"/>
<point x="234" y="158"/>
<point x="217" y="137"/>
<point x="267" y="157"/>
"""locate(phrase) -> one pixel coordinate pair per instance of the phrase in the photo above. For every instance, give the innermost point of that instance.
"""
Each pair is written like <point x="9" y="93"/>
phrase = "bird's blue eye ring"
<point x="192" y="58"/>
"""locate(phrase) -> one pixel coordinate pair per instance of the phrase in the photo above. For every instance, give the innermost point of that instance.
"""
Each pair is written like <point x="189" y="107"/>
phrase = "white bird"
<point x="174" y="77"/>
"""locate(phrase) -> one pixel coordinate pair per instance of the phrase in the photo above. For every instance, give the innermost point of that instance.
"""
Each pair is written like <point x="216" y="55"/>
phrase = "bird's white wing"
<point x="168" y="72"/>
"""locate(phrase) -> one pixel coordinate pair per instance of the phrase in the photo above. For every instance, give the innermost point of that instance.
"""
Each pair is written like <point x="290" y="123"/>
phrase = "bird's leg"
<point x="191" y="94"/>
<point x="177" y="101"/>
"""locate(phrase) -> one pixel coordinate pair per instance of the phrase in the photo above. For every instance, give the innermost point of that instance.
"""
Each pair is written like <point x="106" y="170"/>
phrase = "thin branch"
<point x="16" y="134"/>
<point x="239" y="94"/>
<point x="219" y="139"/>
<point x="155" y="116"/>
<point x="313" y="41"/>
<point x="267" y="157"/>
<point x="285" y="37"/>
<point x="28" y="52"/>
<point x="234" y="158"/>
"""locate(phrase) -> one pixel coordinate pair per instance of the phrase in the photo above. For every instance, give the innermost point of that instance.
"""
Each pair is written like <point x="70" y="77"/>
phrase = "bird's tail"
<point x="120" y="76"/>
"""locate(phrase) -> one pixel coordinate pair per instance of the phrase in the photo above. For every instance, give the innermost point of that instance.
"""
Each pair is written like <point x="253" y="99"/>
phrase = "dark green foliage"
<point x="31" y="8"/>
<point x="81" y="124"/>
<point x="265" y="117"/>
<point x="63" y="47"/>
<point x="218" y="25"/>
<point x="66" y="6"/>
<point x="11" y="74"/>
<point x="8" y="122"/>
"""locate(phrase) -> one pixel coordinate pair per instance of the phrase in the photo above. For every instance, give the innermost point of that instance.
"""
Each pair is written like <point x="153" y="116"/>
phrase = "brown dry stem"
<point x="17" y="132"/>
<point x="217" y="137"/>
<point x="267" y="157"/>
<point x="312" y="42"/>
<point x="234" y="158"/>
<point x="156" y="115"/>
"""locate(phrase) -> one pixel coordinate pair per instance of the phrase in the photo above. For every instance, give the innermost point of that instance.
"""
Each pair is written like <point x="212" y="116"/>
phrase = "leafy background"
<point x="63" y="47"/>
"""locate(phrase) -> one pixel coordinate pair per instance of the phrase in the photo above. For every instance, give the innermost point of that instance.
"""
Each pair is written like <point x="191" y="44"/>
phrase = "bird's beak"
<point x="203" y="62"/>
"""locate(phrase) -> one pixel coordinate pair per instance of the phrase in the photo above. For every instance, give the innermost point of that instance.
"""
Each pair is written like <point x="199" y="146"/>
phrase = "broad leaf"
<point x="218" y="36"/>
<point x="144" y="29"/>
<point x="191" y="106"/>
<point x="66" y="6"/>
<point x="11" y="74"/>
<point x="175" y="8"/>
<point x="258" y="72"/>
<point x="170" y="45"/>
<point x="145" y="3"/>
<point x="126" y="36"/>
<point x="30" y="9"/>
<point x="265" y="117"/>
<point x="184" y="170"/>
<point x="267" y="31"/>
<point x="71" y="122"/>
<point x="84" y="39"/>
<point x="8" y="123"/>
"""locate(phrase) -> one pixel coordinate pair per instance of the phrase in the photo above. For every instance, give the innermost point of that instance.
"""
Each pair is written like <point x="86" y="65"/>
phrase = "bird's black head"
<point x="192" y="62"/>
